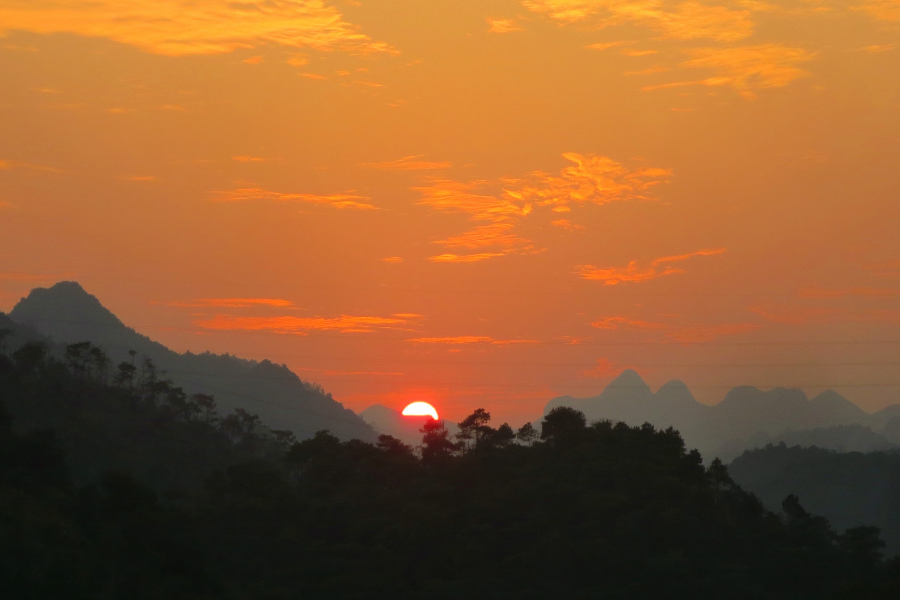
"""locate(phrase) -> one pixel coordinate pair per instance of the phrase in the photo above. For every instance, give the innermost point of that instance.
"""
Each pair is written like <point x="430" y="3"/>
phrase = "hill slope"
<point x="68" y="314"/>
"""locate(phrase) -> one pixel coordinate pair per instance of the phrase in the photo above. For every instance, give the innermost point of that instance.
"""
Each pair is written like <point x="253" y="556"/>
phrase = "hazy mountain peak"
<point x="63" y="302"/>
<point x="629" y="379"/>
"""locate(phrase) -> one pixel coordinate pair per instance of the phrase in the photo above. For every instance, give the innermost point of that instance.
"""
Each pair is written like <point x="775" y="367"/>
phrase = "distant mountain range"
<point x="65" y="313"/>
<point x="746" y="418"/>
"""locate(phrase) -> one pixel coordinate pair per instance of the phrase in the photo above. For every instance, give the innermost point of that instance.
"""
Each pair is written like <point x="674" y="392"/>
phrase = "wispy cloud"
<point x="179" y="27"/>
<point x="841" y="292"/>
<point x="595" y="179"/>
<point x="464" y="258"/>
<point x="409" y="163"/>
<point x="884" y="10"/>
<point x="495" y="234"/>
<point x="252" y="194"/>
<point x="506" y="201"/>
<point x="393" y="259"/>
<point x="634" y="272"/>
<point x="300" y="325"/>
<point x="8" y="165"/>
<point x="877" y="48"/>
<point x="503" y="25"/>
<point x="469" y="339"/>
<point x="233" y="302"/>
<point x="683" y="21"/>
<point x="745" y="68"/>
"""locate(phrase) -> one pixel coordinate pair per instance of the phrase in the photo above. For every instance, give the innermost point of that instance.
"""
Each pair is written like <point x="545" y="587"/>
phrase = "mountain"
<point x="67" y="314"/>
<point x="746" y="418"/>
<point x="405" y="428"/>
<point x="848" y="488"/>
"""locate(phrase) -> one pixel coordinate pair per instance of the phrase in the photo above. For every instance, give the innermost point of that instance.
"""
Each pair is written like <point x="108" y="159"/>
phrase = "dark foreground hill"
<point x="600" y="511"/>
<point x="67" y="314"/>
<point x="746" y="418"/>
<point x="848" y="488"/>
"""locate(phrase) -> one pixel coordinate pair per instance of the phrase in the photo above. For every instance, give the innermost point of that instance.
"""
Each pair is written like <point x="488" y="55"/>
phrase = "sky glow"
<point x="480" y="204"/>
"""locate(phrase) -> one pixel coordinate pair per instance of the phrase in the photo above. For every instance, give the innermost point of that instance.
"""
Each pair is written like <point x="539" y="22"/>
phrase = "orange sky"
<point x="470" y="203"/>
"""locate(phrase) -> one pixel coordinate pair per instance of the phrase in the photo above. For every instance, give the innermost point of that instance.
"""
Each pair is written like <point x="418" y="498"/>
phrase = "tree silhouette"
<point x="436" y="443"/>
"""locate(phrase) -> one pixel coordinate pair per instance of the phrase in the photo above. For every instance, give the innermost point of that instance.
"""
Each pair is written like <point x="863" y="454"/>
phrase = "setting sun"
<point x="420" y="409"/>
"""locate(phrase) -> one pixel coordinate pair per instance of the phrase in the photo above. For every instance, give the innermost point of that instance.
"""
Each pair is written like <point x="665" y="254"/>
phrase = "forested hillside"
<point x="850" y="489"/>
<point x="67" y="314"/>
<point x="136" y="490"/>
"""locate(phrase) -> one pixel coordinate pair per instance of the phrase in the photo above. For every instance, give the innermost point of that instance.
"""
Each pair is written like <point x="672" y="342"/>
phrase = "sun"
<point x="420" y="409"/>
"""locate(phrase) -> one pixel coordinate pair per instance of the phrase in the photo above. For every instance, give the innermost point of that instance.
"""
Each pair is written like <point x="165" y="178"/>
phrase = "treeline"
<point x="575" y="511"/>
<point x="849" y="488"/>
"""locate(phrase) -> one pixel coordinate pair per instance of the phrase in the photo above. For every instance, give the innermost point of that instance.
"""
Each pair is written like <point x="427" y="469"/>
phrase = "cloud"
<point x="503" y="25"/>
<point x="233" y="302"/>
<point x="682" y="334"/>
<point x="633" y="272"/>
<point x="6" y="205"/>
<point x="596" y="179"/>
<point x="8" y="165"/>
<point x="877" y="48"/>
<point x="299" y="325"/>
<point x="505" y="202"/>
<point x="465" y="258"/>
<point x="884" y="10"/>
<point x="745" y="68"/>
<point x="469" y="339"/>
<point x="495" y="234"/>
<point x="248" y="159"/>
<point x="454" y="196"/>
<point x="409" y="163"/>
<point x="840" y="293"/>
<point x="684" y="21"/>
<point x="253" y="194"/>
<point x="180" y="27"/>
<point x="393" y="259"/>
<point x="606" y="45"/>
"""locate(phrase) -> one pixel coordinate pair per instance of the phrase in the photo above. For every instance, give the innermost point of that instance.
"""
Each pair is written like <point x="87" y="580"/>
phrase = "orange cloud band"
<point x="344" y="323"/>
<point x="252" y="194"/>
<point x="180" y="27"/>
<point x="469" y="339"/>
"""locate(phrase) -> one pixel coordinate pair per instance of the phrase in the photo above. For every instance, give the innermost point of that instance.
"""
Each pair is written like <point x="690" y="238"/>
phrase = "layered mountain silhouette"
<point x="405" y="428"/>
<point x="65" y="313"/>
<point x="746" y="418"/>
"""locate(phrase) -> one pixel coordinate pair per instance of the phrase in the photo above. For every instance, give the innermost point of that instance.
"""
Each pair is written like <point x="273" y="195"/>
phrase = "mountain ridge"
<point x="745" y="416"/>
<point x="66" y="313"/>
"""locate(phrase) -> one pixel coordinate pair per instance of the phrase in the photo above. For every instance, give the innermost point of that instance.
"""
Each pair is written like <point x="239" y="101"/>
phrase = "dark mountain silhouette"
<point x="747" y="417"/>
<point x="67" y="314"/>
<point x="848" y="488"/>
<point x="391" y="422"/>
